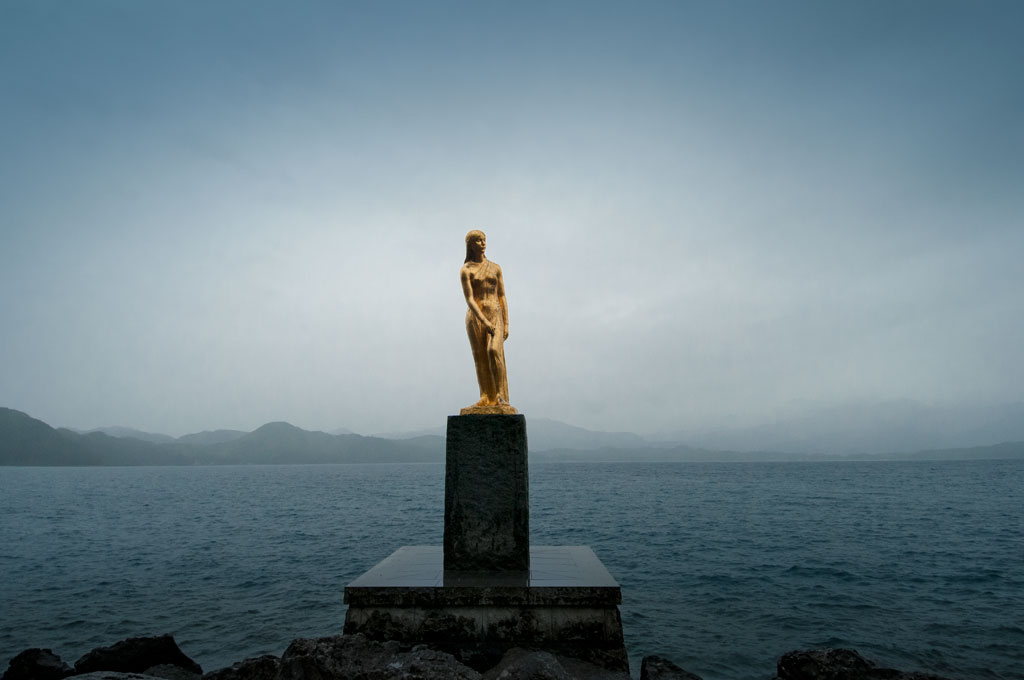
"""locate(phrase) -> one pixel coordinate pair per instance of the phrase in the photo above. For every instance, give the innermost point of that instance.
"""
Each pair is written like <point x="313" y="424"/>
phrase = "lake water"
<point x="723" y="566"/>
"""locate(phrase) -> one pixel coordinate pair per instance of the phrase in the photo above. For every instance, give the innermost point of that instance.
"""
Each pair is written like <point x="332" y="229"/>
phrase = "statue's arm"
<point x="467" y="291"/>
<point x="503" y="302"/>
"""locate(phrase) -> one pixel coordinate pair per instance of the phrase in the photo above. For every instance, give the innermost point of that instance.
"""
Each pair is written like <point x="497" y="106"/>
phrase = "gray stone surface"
<point x="114" y="675"/>
<point x="479" y="636"/>
<point x="415" y="576"/>
<point x="486" y="501"/>
<point x="37" y="664"/>
<point x="355" y="657"/>
<point x="169" y="672"/>
<point x="258" y="668"/>
<point x="658" y="668"/>
<point x="839" y="664"/>
<point x="566" y="604"/>
<point x="588" y="671"/>
<point x="135" y="655"/>
<point x="523" y="664"/>
<point x="530" y="664"/>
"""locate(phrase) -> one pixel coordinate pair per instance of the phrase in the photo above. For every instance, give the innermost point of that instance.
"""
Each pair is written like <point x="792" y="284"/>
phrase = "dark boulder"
<point x="529" y="664"/>
<point x="113" y="675"/>
<point x="136" y="655"/>
<point x="37" y="664"/>
<point x="352" y="657"/>
<point x="168" y="672"/>
<point x="258" y="668"/>
<point x="584" y="670"/>
<point x="524" y="664"/>
<point x="838" y="664"/>
<point x="657" y="668"/>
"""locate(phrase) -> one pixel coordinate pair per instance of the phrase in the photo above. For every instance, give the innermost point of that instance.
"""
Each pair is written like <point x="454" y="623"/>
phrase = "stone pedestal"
<point x="567" y="603"/>
<point x="486" y="494"/>
<point x="487" y="590"/>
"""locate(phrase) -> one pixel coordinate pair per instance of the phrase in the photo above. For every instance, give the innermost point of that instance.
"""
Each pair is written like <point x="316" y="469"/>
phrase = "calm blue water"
<point x="724" y="566"/>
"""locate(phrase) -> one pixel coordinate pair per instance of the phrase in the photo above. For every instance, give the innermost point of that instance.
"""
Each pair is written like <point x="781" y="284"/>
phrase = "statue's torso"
<point x="483" y="281"/>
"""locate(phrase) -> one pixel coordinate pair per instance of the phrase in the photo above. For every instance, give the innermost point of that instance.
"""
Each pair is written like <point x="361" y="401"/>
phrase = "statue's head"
<point x="476" y="242"/>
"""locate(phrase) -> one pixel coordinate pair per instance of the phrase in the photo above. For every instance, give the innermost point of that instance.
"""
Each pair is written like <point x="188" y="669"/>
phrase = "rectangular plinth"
<point x="486" y="498"/>
<point x="415" y="576"/>
<point x="565" y="603"/>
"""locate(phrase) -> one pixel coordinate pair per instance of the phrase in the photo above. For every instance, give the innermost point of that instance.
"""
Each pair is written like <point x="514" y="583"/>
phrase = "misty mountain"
<point x="687" y="454"/>
<point x="438" y="431"/>
<point x="280" y="442"/>
<point x="545" y="434"/>
<point x="211" y="437"/>
<point x="123" y="432"/>
<point x="864" y="428"/>
<point x="430" y="441"/>
<point x="201" y="438"/>
<point x="868" y="428"/>
<point x="99" y="448"/>
<point x="27" y="441"/>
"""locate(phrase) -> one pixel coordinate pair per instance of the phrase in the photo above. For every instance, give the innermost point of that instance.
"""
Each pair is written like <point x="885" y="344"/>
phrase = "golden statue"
<point x="487" y="325"/>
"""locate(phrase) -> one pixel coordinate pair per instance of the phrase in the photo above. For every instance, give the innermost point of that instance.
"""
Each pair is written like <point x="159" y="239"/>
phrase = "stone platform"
<point x="566" y="603"/>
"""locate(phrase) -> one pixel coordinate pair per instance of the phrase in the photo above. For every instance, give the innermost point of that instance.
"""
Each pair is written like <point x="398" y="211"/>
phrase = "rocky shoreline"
<point x="355" y="657"/>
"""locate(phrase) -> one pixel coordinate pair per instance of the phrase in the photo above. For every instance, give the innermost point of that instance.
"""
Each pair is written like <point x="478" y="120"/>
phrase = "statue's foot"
<point x="482" y="407"/>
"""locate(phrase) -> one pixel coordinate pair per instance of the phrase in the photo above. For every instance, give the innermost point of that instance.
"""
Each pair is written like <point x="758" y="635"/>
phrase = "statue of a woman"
<point x="486" y="324"/>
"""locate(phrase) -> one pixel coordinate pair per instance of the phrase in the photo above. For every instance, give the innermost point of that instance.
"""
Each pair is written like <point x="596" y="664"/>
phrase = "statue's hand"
<point x="491" y="329"/>
<point x="506" y="333"/>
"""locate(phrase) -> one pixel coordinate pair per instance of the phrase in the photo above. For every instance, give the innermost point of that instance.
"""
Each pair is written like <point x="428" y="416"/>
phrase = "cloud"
<point x="216" y="217"/>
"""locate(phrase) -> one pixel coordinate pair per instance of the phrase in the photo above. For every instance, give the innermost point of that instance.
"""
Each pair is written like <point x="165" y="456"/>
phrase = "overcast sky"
<point x="218" y="214"/>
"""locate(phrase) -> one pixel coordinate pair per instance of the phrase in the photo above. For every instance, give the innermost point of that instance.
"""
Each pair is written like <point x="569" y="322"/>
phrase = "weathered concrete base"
<point x="486" y="494"/>
<point x="567" y="604"/>
<point x="480" y="636"/>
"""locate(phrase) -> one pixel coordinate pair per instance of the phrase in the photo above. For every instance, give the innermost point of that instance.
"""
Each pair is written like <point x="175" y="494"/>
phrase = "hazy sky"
<point x="217" y="214"/>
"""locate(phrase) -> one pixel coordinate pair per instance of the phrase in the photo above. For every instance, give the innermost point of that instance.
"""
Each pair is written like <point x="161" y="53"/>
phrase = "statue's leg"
<point x="496" y="364"/>
<point x="478" y="340"/>
<point x="503" y="385"/>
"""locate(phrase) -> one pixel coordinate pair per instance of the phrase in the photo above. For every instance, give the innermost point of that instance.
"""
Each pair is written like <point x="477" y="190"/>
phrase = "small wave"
<point x="1012" y="630"/>
<point x="831" y="572"/>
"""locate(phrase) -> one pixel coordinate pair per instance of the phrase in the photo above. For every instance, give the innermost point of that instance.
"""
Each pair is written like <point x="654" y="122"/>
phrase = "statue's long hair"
<point x="469" y="236"/>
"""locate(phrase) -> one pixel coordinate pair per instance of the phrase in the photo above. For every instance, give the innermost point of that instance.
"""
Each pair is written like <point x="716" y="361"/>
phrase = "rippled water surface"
<point x="724" y="566"/>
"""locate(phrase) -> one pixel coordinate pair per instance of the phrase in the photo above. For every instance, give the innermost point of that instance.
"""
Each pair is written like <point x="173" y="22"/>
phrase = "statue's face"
<point x="479" y="243"/>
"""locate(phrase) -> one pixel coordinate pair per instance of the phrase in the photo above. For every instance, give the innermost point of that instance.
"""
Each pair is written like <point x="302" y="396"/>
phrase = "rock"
<point x="169" y="672"/>
<point x="524" y="664"/>
<point x="527" y="664"/>
<point x="259" y="668"/>
<point x="657" y="668"/>
<point x="584" y="670"/>
<point x="37" y="664"/>
<point x="135" y="655"/>
<point x="113" y="675"/>
<point x="823" y="664"/>
<point x="838" y="664"/>
<point x="344" y="657"/>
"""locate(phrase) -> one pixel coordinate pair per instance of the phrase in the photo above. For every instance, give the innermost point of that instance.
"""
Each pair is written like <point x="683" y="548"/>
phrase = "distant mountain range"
<point x="546" y="434"/>
<point x="27" y="441"/>
<point x="873" y="427"/>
